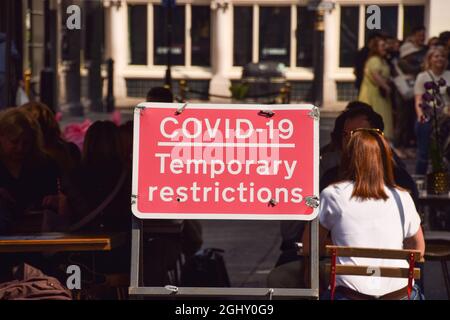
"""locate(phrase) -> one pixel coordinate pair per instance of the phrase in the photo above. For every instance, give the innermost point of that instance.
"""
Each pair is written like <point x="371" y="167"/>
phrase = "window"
<point x="413" y="17"/>
<point x="137" y="27"/>
<point x="348" y="42"/>
<point x="389" y="18"/>
<point x="274" y="34"/>
<point x="201" y="35"/>
<point x="160" y="28"/>
<point x="305" y="32"/>
<point x="242" y="35"/>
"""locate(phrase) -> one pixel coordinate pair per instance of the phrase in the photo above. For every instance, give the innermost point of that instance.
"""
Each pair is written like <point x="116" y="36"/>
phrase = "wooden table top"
<point x="60" y="242"/>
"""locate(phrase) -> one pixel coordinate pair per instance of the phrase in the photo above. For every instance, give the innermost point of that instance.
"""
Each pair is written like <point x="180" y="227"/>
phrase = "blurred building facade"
<point x="212" y="41"/>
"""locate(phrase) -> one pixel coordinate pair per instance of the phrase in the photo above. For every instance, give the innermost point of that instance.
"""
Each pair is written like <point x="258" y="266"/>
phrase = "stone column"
<point x="437" y="19"/>
<point x="318" y="56"/>
<point x="222" y="55"/>
<point x="118" y="44"/>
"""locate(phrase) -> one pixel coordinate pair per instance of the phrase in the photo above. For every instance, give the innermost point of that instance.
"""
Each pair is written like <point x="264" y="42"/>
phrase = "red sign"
<point x="204" y="161"/>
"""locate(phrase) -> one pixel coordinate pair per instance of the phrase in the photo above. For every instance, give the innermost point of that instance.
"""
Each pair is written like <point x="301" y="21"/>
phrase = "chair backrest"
<point x="393" y="272"/>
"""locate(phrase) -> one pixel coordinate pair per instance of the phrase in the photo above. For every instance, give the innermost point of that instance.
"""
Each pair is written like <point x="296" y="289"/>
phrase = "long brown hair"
<point x="369" y="164"/>
<point x="53" y="143"/>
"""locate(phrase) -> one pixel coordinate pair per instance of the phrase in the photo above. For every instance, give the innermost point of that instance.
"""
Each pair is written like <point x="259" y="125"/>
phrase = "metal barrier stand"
<point x="137" y="291"/>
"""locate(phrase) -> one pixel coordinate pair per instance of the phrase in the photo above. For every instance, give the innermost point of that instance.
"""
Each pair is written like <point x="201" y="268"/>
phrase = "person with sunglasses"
<point x="357" y="114"/>
<point x="366" y="208"/>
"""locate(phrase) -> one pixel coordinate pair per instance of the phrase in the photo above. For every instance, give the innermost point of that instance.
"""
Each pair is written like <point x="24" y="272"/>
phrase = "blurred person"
<point x="435" y="66"/>
<point x="100" y="181"/>
<point x="412" y="53"/>
<point x="361" y="57"/>
<point x="65" y="154"/>
<point x="101" y="170"/>
<point x="398" y="109"/>
<point x="444" y="39"/>
<point x="330" y="154"/>
<point x="366" y="208"/>
<point x="392" y="49"/>
<point x="369" y="119"/>
<point x="28" y="178"/>
<point x="375" y="88"/>
<point x="126" y="137"/>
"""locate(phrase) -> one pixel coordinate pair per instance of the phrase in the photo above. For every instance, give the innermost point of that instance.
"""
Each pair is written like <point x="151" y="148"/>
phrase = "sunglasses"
<point x="367" y="130"/>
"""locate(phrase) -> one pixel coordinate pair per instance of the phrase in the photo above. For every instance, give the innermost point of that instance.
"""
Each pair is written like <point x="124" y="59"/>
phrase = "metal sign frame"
<point x="137" y="290"/>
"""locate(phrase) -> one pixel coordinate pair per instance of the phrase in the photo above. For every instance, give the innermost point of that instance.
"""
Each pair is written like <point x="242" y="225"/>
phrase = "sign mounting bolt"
<point x="312" y="201"/>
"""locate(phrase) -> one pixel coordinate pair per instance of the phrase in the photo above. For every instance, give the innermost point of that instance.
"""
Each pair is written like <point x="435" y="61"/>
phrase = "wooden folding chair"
<point x="412" y="256"/>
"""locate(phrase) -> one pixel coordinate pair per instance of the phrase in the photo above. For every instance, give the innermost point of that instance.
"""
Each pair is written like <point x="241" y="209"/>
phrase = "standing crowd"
<point x="391" y="77"/>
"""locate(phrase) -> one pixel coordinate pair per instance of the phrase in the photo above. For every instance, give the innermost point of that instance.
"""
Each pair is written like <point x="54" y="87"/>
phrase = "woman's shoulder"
<point x="404" y="194"/>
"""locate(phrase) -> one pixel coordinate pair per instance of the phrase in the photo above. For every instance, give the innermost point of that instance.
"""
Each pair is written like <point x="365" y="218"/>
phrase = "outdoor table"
<point x="59" y="242"/>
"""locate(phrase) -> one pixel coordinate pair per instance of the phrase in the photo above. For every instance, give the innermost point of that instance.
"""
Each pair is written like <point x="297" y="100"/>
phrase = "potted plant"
<point x="438" y="181"/>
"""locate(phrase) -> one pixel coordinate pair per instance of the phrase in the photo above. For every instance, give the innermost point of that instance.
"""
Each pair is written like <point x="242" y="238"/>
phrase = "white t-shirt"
<point x="368" y="224"/>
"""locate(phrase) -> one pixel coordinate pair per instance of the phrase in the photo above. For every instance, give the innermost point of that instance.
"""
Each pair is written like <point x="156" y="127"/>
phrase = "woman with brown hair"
<point x="375" y="89"/>
<point x="101" y="171"/>
<point x="435" y="65"/>
<point x="365" y="210"/>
